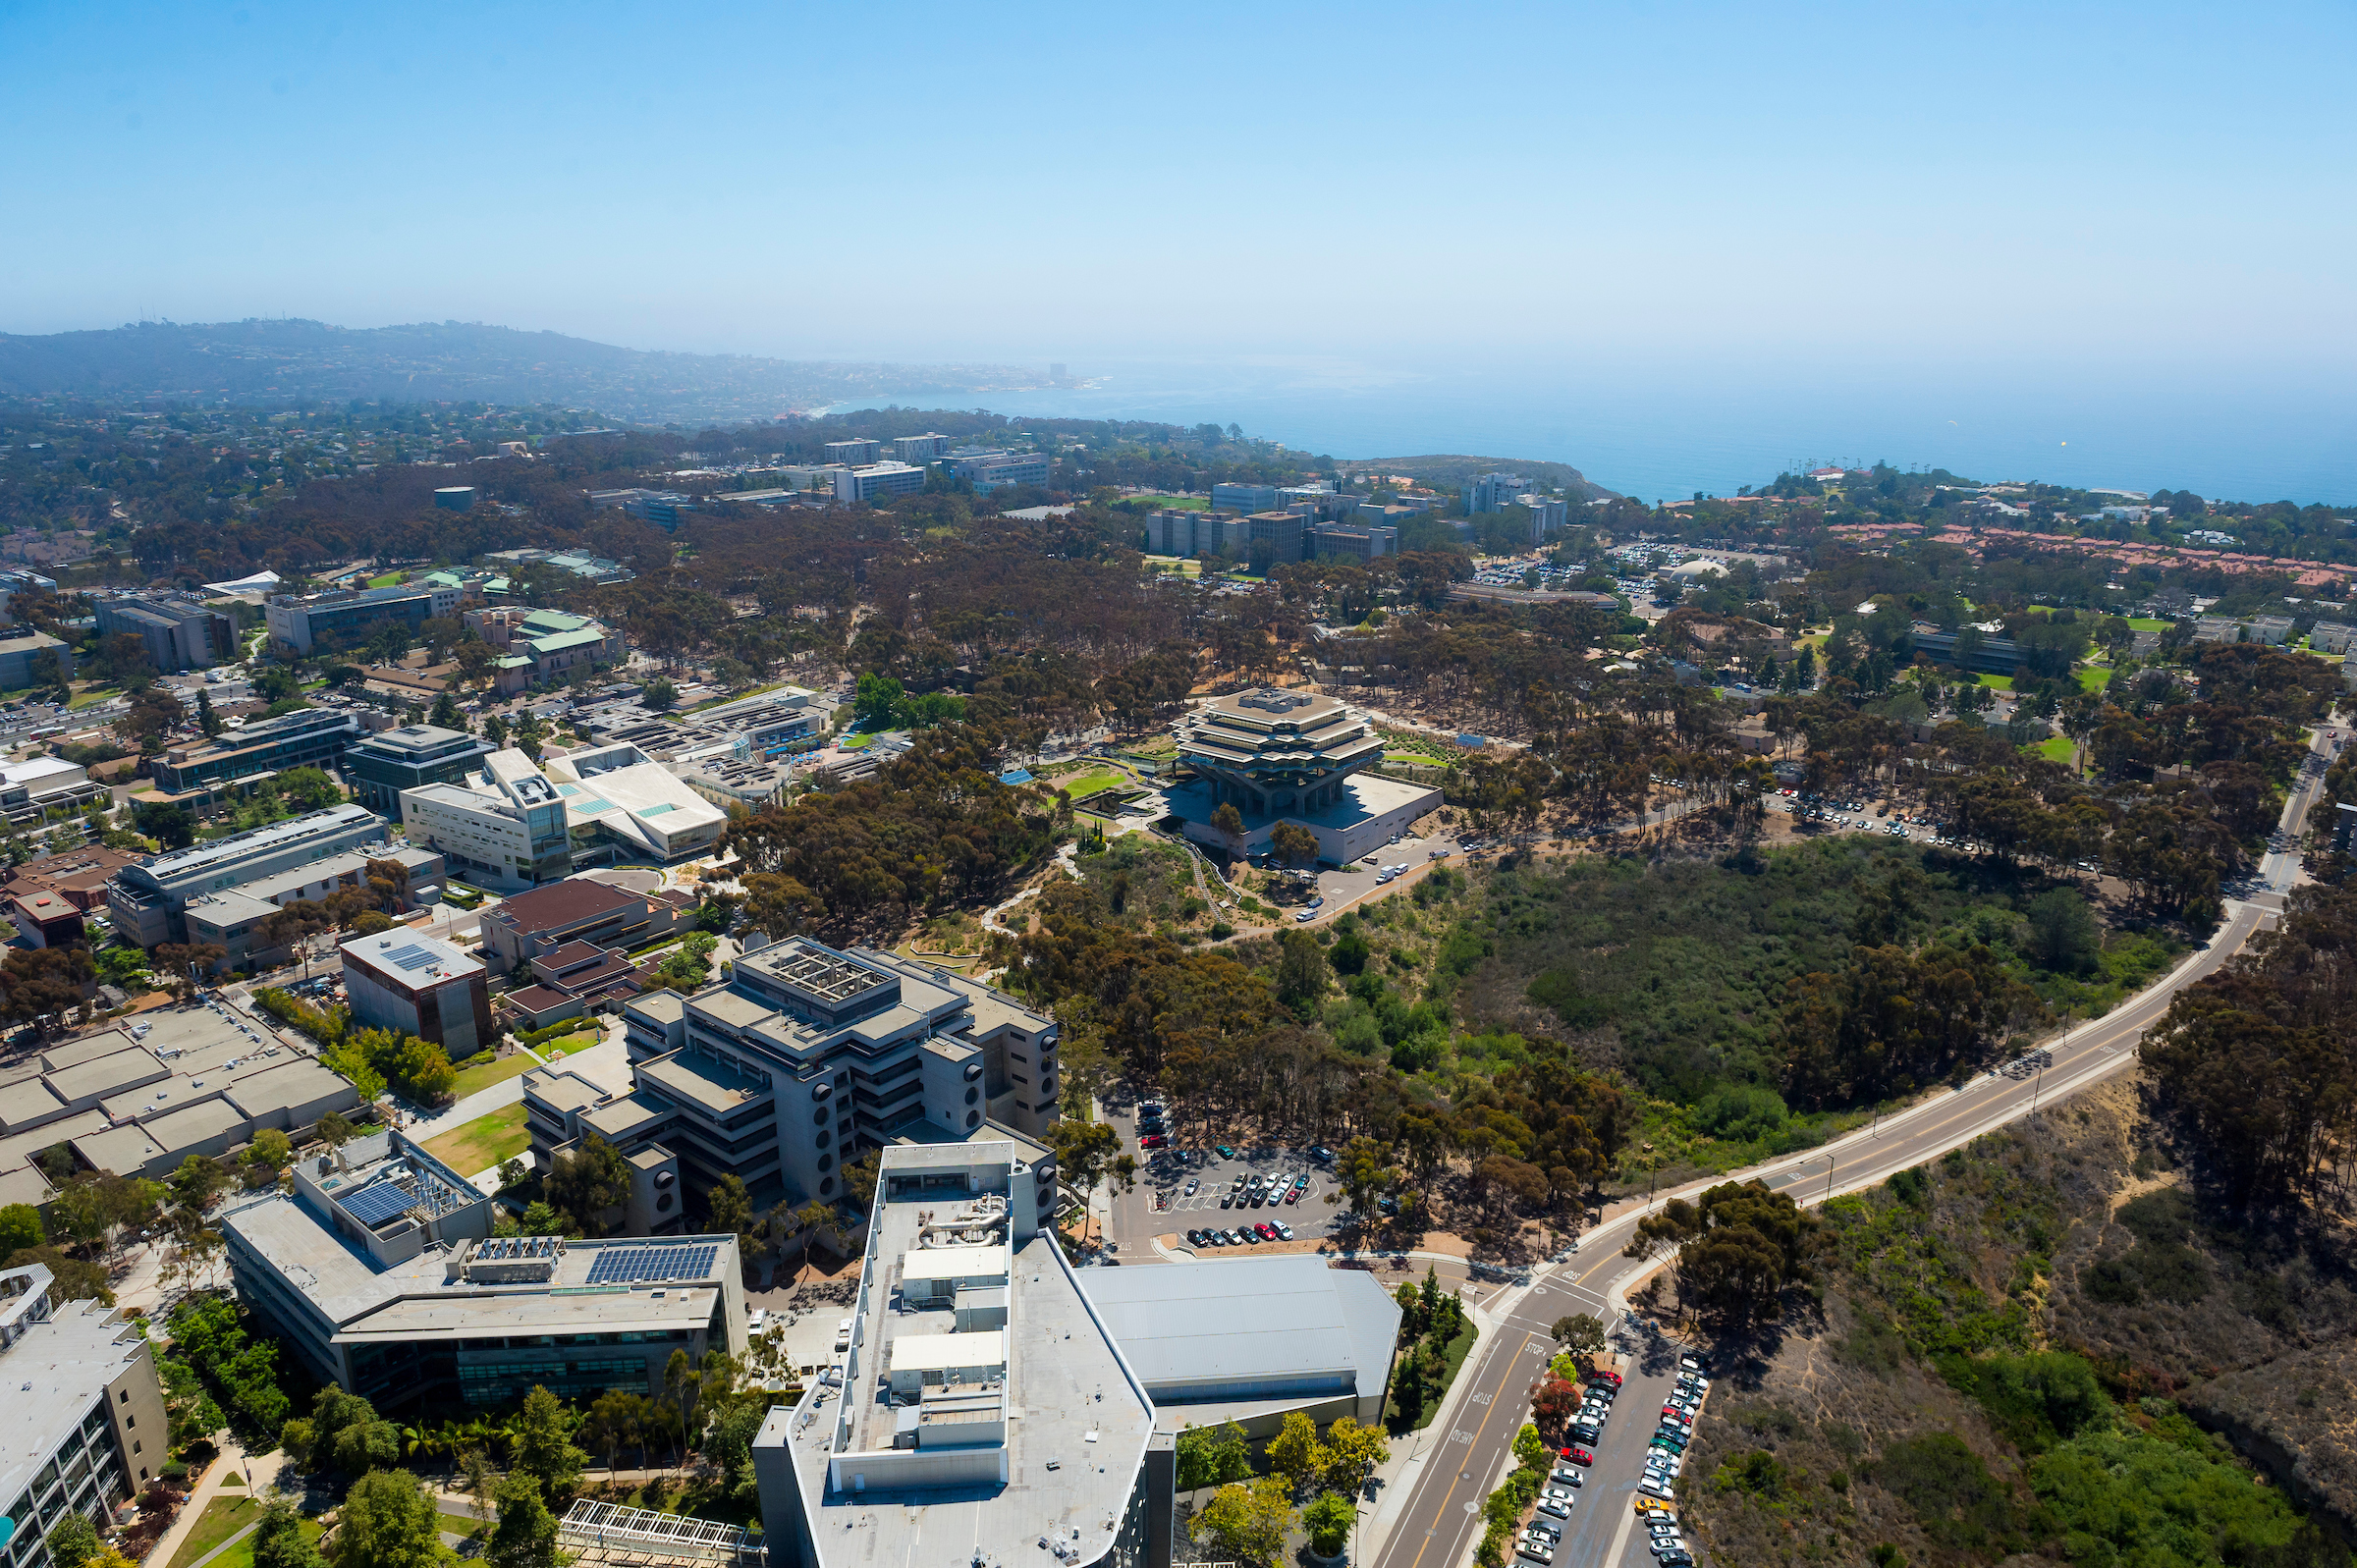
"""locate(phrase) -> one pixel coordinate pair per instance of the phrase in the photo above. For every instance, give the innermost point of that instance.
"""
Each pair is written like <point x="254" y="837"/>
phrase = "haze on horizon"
<point x="2087" y="188"/>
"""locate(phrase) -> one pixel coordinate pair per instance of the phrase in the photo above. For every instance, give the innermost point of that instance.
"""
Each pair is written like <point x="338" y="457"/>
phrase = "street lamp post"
<point x="1829" y="1178"/>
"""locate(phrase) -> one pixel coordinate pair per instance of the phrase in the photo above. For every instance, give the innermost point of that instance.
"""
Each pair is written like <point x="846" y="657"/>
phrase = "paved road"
<point x="1437" y="1523"/>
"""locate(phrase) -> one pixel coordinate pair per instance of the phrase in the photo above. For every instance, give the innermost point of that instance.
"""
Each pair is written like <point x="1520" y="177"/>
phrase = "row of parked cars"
<point x="1665" y="1455"/>
<point x="1241" y="1235"/>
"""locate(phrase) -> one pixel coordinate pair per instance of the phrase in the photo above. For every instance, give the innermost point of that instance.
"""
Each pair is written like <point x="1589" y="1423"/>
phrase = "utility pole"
<point x="1829" y="1178"/>
<point x="2038" y="1083"/>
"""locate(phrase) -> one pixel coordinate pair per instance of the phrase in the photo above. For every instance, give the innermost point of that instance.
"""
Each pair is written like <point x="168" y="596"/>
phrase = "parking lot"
<point x="1180" y="1189"/>
<point x="1343" y="887"/>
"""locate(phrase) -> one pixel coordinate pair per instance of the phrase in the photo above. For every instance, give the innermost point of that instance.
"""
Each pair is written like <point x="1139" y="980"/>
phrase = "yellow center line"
<point x="1466" y="1470"/>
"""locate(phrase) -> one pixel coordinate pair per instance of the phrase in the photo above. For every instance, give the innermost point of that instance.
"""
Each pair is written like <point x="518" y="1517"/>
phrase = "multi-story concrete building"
<point x="1290" y="756"/>
<point x="1352" y="540"/>
<point x="809" y="1055"/>
<point x="32" y="658"/>
<point x="235" y="919"/>
<point x="148" y="902"/>
<point x="878" y="480"/>
<point x="1183" y="532"/>
<point x="920" y="449"/>
<point x="310" y="737"/>
<point x="309" y="623"/>
<point x="1547" y="514"/>
<point x="379" y="767"/>
<point x="418" y="984"/>
<point x="1242" y="498"/>
<point x="86" y="1425"/>
<point x="853" y="454"/>
<point x="987" y="1377"/>
<point x="527" y="924"/>
<point x="30" y="791"/>
<point x="992" y="470"/>
<point x="380" y="1272"/>
<point x="1494" y="491"/>
<point x="178" y="631"/>
<point x="662" y="508"/>
<point x="503" y="824"/>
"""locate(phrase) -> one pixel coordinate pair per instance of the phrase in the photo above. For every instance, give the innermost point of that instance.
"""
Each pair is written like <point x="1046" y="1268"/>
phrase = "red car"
<point x="1578" y="1455"/>
<point x="1611" y="1377"/>
<point x="1152" y="1140"/>
<point x="1265" y="1232"/>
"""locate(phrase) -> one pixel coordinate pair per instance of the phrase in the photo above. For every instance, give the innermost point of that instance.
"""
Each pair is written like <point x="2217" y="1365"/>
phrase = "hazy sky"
<point x="2054" y="189"/>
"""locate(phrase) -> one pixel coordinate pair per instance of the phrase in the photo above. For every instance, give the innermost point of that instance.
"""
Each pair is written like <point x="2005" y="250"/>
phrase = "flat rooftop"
<point x="52" y="1375"/>
<point x="1235" y="1328"/>
<point x="1076" y="1423"/>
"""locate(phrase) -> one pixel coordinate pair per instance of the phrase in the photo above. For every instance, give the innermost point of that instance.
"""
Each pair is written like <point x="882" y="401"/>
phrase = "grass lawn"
<point x="1080" y="786"/>
<point x="2147" y="624"/>
<point x="222" y="1517"/>
<point x="391" y="580"/>
<point x="1175" y="503"/>
<point x="473" y="1079"/>
<point x="1998" y="682"/>
<point x="2059" y="749"/>
<point x="93" y="696"/>
<point x="567" y="1044"/>
<point x="484" y="1142"/>
<point x="2095" y="677"/>
<point x="854" y="743"/>
<point x="240" y="1554"/>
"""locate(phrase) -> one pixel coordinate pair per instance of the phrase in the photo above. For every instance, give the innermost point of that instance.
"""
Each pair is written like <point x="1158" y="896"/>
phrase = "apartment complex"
<point x="418" y="984"/>
<point x="379" y="767"/>
<point x="380" y="1272"/>
<point x="806" y="1056"/>
<point x="876" y="481"/>
<point x="309" y="738"/>
<point x="309" y="623"/>
<point x="86" y="1425"/>
<point x="986" y="1376"/>
<point x="148" y="902"/>
<point x="178" y="631"/>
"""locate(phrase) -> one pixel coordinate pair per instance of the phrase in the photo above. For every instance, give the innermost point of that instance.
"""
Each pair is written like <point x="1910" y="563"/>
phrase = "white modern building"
<point x="1002" y="1402"/>
<point x="85" y="1426"/>
<point x="623" y="805"/>
<point x="503" y="826"/>
<point x="877" y="480"/>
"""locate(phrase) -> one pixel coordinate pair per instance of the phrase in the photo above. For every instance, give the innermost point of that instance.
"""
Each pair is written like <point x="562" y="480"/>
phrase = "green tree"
<point x="387" y="1521"/>
<point x="1581" y="1333"/>
<point x="587" y="1183"/>
<point x="208" y="721"/>
<point x="1353" y="1452"/>
<point x="877" y="697"/>
<point x="2063" y="935"/>
<point x="543" y="1448"/>
<point x="20" y="1227"/>
<point x="1295" y="1452"/>
<point x="1366" y="1172"/>
<point x="1084" y="1153"/>
<point x="446" y="713"/>
<point x="1246" y="1522"/>
<point x="1293" y="844"/>
<point x="660" y="693"/>
<point x="280" y="1540"/>
<point x="1213" y="1456"/>
<point x="1229" y="824"/>
<point x="1329" y="1519"/>
<point x="525" y="1536"/>
<point x="1301" y="972"/>
<point x="71" y="1542"/>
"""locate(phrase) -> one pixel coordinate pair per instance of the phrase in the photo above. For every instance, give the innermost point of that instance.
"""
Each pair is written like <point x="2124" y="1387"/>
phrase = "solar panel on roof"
<point x="373" y="1206"/>
<point x="412" y="957"/>
<point x="650" y="1264"/>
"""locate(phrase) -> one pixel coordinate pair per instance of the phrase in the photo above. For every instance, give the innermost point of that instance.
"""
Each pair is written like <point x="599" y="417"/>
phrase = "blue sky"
<point x="2036" y="191"/>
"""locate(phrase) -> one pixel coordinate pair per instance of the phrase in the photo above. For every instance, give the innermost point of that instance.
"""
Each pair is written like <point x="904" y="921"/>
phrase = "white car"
<point x="1305" y="916"/>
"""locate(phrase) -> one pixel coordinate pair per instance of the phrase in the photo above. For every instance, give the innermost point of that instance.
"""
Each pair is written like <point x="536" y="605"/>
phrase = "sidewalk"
<point x="234" y="1460"/>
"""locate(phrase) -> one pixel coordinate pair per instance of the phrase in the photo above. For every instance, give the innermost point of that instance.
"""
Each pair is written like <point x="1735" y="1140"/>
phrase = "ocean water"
<point x="1660" y="432"/>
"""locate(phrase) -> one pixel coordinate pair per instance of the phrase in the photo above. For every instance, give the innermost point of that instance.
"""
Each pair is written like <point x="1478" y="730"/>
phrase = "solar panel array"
<point x="410" y="957"/>
<point x="623" y="1266"/>
<point x="372" y="1205"/>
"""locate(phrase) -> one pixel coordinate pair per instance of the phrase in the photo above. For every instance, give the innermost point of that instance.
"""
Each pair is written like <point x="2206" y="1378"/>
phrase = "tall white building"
<point x="876" y="480"/>
<point x="512" y="826"/>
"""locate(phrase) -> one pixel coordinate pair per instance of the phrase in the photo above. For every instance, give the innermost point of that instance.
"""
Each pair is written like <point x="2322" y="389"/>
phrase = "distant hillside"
<point x="296" y="361"/>
<point x="1448" y="468"/>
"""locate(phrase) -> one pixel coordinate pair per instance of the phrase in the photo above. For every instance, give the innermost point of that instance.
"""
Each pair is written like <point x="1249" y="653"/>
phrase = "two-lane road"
<point x="1439" y="1521"/>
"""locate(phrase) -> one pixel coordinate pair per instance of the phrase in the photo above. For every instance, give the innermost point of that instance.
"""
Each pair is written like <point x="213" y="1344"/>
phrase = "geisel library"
<point x="1292" y="756"/>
